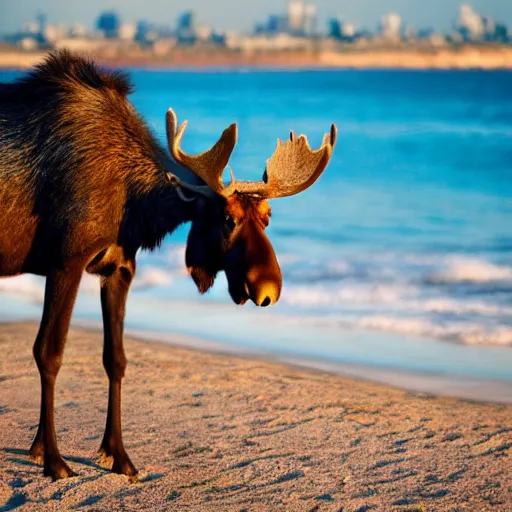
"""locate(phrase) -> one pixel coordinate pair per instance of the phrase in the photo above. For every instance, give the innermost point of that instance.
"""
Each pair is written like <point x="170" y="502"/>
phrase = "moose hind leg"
<point x="114" y="291"/>
<point x="60" y="294"/>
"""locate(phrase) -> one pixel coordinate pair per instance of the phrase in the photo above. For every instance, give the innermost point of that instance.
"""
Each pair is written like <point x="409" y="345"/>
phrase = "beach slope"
<point x="214" y="432"/>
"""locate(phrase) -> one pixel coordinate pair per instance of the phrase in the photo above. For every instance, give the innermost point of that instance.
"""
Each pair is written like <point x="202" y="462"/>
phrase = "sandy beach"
<point x="216" y="432"/>
<point x="467" y="57"/>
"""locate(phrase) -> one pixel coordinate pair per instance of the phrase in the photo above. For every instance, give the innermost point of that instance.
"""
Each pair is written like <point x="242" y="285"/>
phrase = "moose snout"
<point x="264" y="290"/>
<point x="252" y="268"/>
<point x="265" y="294"/>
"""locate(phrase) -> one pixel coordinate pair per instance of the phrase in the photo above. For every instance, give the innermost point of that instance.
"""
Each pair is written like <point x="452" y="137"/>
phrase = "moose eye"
<point x="229" y="222"/>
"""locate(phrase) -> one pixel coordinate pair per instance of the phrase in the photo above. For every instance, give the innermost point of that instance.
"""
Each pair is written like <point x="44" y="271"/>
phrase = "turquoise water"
<point x="405" y="242"/>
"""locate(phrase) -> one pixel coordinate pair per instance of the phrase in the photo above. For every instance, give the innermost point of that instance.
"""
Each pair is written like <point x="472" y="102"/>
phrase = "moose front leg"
<point x="114" y="291"/>
<point x="60" y="294"/>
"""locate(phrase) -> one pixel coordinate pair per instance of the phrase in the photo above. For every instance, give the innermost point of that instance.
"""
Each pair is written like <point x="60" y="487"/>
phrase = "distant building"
<point x="494" y="32"/>
<point x="489" y="28"/>
<point x="30" y="27"/>
<point x="334" y="28"/>
<point x="203" y="33"/>
<point x="28" y="43"/>
<point x="426" y="33"/>
<point x="275" y="24"/>
<point x="143" y="29"/>
<point x="78" y="30"/>
<point x="127" y="31"/>
<point x="186" y="21"/>
<point x="147" y="33"/>
<point x="471" y="24"/>
<point x="342" y="30"/>
<point x="218" y="38"/>
<point x="109" y="23"/>
<point x="501" y="33"/>
<point x="391" y="26"/>
<point x="186" y="27"/>
<point x="53" y="33"/>
<point x="33" y="34"/>
<point x="293" y="29"/>
<point x="300" y="20"/>
<point x="348" y="31"/>
<point x="41" y="22"/>
<point x="296" y="15"/>
<point x="310" y="18"/>
<point x="411" y="33"/>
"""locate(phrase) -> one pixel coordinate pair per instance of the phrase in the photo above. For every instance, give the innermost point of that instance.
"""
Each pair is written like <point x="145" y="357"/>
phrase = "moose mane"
<point x="81" y="135"/>
<point x="61" y="68"/>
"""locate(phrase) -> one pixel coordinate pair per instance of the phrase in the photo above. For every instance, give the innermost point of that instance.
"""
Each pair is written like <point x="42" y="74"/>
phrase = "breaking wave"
<point x="27" y="286"/>
<point x="472" y="270"/>
<point x="450" y="297"/>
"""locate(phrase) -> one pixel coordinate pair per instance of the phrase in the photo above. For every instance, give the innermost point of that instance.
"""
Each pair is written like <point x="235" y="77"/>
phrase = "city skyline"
<point x="439" y="14"/>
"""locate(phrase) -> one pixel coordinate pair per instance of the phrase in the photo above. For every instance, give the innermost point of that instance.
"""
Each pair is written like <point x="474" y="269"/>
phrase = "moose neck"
<point x="157" y="210"/>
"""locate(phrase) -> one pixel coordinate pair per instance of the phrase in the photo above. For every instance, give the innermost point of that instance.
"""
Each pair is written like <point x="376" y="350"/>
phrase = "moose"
<point x="84" y="185"/>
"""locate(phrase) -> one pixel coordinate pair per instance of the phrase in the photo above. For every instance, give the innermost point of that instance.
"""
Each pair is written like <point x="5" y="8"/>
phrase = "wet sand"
<point x="218" y="432"/>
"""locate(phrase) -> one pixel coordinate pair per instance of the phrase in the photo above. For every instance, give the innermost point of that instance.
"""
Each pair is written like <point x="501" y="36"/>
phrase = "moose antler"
<point x="293" y="167"/>
<point x="209" y="165"/>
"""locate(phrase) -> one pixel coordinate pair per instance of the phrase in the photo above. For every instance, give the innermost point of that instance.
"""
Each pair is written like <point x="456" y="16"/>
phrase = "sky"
<point x="242" y="14"/>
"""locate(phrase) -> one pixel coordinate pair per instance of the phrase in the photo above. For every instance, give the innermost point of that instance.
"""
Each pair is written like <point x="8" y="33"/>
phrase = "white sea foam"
<point x="340" y="294"/>
<point x="151" y="278"/>
<point x="451" y="297"/>
<point x="455" y="331"/>
<point x="28" y="286"/>
<point x="90" y="284"/>
<point x="466" y="332"/>
<point x="473" y="270"/>
<point x="448" y="297"/>
<point x="460" y="307"/>
<point x="32" y="287"/>
<point x="175" y="255"/>
<point x="404" y="298"/>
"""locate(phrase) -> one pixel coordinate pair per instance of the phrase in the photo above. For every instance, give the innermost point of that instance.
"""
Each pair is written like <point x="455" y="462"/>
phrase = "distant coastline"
<point x="465" y="57"/>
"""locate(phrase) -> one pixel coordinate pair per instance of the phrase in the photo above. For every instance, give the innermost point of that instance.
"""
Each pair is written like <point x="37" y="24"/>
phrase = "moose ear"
<point x="203" y="256"/>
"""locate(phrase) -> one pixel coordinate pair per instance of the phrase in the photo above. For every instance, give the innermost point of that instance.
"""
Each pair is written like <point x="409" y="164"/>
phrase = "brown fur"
<point x="83" y="186"/>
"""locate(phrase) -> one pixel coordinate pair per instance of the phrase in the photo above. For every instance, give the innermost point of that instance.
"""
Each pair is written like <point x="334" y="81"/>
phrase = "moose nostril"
<point x="266" y="302"/>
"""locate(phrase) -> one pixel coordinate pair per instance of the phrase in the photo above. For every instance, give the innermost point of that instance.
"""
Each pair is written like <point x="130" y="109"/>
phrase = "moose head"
<point x="228" y="231"/>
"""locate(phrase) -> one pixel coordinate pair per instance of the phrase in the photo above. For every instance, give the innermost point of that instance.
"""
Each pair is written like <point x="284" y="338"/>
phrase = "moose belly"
<point x="16" y="239"/>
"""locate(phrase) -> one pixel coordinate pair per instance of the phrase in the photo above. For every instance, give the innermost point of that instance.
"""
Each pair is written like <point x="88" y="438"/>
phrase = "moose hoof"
<point x="36" y="452"/>
<point x="58" y="469"/>
<point x="104" y="457"/>
<point x="124" y="466"/>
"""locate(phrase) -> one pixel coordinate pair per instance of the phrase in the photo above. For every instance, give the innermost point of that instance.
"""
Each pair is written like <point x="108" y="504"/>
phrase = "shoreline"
<point x="216" y="432"/>
<point x="464" y="58"/>
<point x="430" y="382"/>
<point x="436" y="384"/>
<point x="479" y="390"/>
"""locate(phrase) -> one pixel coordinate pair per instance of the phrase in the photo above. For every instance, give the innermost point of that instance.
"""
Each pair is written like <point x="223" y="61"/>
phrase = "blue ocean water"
<point x="405" y="242"/>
